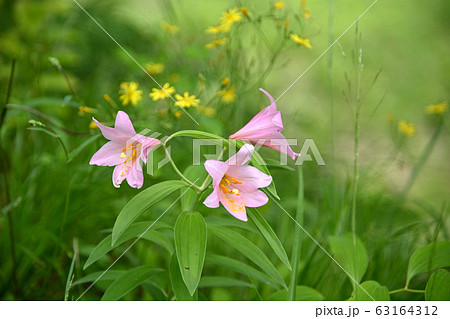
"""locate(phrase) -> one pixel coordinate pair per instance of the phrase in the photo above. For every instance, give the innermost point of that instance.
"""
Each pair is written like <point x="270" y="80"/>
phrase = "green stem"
<point x="176" y="168"/>
<point x="297" y="246"/>
<point x="4" y="161"/>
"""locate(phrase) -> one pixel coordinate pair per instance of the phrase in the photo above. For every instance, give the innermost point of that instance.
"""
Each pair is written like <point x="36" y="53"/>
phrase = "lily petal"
<point x="212" y="201"/>
<point x="255" y="199"/>
<point x="123" y="124"/>
<point x="216" y="169"/>
<point x="234" y="205"/>
<point x="108" y="155"/>
<point x="243" y="156"/>
<point x="109" y="132"/>
<point x="250" y="177"/>
<point x="119" y="174"/>
<point x="135" y="177"/>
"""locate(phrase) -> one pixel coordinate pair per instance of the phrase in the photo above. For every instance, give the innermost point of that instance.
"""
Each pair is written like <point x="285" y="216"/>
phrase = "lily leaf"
<point x="190" y="245"/>
<point x="140" y="203"/>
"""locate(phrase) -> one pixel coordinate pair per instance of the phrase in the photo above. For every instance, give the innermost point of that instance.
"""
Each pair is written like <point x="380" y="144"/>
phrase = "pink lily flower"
<point x="124" y="150"/>
<point x="236" y="184"/>
<point x="265" y="127"/>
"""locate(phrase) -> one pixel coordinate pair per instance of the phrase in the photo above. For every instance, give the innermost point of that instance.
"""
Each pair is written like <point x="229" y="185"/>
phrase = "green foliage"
<point x="140" y="203"/>
<point x="427" y="258"/>
<point x="351" y="254"/>
<point x="248" y="249"/>
<point x="190" y="244"/>
<point x="302" y="293"/>
<point x="129" y="281"/>
<point x="57" y="211"/>
<point x="374" y="289"/>
<point x="438" y="286"/>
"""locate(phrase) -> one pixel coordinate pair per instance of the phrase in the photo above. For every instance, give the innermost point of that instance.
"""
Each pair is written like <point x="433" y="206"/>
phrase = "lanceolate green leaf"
<point x="190" y="245"/>
<point x="374" y="289"/>
<point x="242" y="268"/>
<point x="269" y="235"/>
<point x="248" y="249"/>
<point x="353" y="259"/>
<point x="178" y="286"/>
<point x="438" y="286"/>
<point x="429" y="257"/>
<point x="129" y="281"/>
<point x="110" y="275"/>
<point x="145" y="229"/>
<point x="140" y="203"/>
<point x="217" y="281"/>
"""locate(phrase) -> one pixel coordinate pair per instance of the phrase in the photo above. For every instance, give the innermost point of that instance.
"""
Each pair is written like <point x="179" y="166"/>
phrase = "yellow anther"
<point x="223" y="188"/>
<point x="235" y="191"/>
<point x="235" y="181"/>
<point x="227" y="181"/>
<point x="123" y="155"/>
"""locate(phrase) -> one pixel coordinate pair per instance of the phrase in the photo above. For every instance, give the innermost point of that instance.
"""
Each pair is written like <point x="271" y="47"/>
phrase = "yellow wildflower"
<point x="213" y="30"/>
<point x="84" y="109"/>
<point x="161" y="94"/>
<point x="300" y="41"/>
<point x="278" y="5"/>
<point x="231" y="16"/>
<point x="129" y="93"/>
<point x="407" y="129"/>
<point x="92" y="125"/>
<point x="186" y="100"/>
<point x="177" y="114"/>
<point x="216" y="43"/>
<point x="286" y="23"/>
<point x="440" y="108"/>
<point x="154" y="68"/>
<point x="207" y="111"/>
<point x="228" y="95"/>
<point x="245" y="12"/>
<point x="169" y="28"/>
<point x="225" y="82"/>
<point x="307" y="14"/>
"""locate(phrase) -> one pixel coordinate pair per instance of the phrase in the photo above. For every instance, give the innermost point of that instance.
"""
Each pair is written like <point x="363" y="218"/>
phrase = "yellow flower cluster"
<point x="129" y="93"/>
<point x="186" y="100"/>
<point x="407" y="129"/>
<point x="300" y="41"/>
<point x="162" y="93"/>
<point x="228" y="95"/>
<point x="439" y="108"/>
<point x="226" y="21"/>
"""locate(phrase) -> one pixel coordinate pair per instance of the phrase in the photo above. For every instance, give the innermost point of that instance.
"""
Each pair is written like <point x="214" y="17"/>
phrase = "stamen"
<point x="235" y="181"/>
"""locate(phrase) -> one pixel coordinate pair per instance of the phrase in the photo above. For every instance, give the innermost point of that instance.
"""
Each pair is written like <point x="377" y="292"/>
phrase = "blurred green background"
<point x="61" y="207"/>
